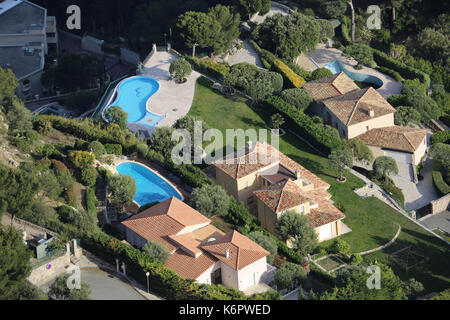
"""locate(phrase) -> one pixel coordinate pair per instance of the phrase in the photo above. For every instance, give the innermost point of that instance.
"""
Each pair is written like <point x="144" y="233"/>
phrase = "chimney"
<point x="297" y="174"/>
<point x="371" y="113"/>
<point x="227" y="253"/>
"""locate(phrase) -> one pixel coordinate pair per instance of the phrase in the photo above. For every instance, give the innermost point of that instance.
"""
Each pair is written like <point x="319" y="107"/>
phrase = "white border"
<point x="155" y="172"/>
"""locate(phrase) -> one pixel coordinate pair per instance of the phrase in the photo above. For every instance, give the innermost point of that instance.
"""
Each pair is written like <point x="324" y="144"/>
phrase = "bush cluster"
<point x="209" y="67"/>
<point x="442" y="136"/>
<point x="439" y="182"/>
<point x="302" y="124"/>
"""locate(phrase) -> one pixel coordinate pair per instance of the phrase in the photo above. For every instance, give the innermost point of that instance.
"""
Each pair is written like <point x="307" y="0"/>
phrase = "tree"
<point x="266" y="242"/>
<point x="385" y="166"/>
<point x="8" y="84"/>
<point x="339" y="159"/>
<point x="334" y="9"/>
<point x="424" y="105"/>
<point x="440" y="152"/>
<point x="298" y="97"/>
<point x="277" y="120"/>
<point x="296" y="229"/>
<point x="115" y="114"/>
<point x="14" y="265"/>
<point x="197" y="29"/>
<point x="289" y="275"/>
<point x="361" y="53"/>
<point x="19" y="117"/>
<point x="161" y="140"/>
<point x="28" y="291"/>
<point x="122" y="188"/>
<point x="210" y="200"/>
<point x="81" y="159"/>
<point x="188" y="122"/>
<point x="259" y="89"/>
<point x="97" y="148"/>
<point x="229" y="27"/>
<point x="247" y="8"/>
<point x="89" y="176"/>
<point x="157" y="250"/>
<point x="406" y="116"/>
<point x="360" y="151"/>
<point x="59" y="290"/>
<point x="341" y="247"/>
<point x="413" y="288"/>
<point x="180" y="69"/>
<point x="352" y="10"/>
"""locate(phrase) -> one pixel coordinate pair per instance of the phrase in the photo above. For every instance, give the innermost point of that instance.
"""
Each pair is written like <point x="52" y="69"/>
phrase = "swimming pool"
<point x="132" y="95"/>
<point x="337" y="67"/>
<point x="149" y="186"/>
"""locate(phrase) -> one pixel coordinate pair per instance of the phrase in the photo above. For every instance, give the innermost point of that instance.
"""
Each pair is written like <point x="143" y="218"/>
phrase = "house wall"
<point x="229" y="276"/>
<point x="420" y="151"/>
<point x="205" y="277"/>
<point x="379" y="122"/>
<point x="251" y="274"/>
<point x="134" y="239"/>
<point x="229" y="184"/>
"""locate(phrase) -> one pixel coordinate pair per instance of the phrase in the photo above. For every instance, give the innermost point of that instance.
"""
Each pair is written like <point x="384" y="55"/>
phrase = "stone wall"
<point x="40" y="274"/>
<point x="440" y="204"/>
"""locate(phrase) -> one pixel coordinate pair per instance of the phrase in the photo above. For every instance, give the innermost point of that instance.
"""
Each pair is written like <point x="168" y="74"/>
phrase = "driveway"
<point x="440" y="220"/>
<point x="420" y="194"/>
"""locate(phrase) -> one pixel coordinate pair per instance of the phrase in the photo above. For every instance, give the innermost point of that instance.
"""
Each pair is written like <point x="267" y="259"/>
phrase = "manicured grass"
<point x="371" y="220"/>
<point x="329" y="263"/>
<point x="442" y="234"/>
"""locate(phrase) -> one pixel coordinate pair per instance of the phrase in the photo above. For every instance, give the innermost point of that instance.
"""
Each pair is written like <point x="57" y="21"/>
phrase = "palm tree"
<point x="352" y="9"/>
<point x="277" y="121"/>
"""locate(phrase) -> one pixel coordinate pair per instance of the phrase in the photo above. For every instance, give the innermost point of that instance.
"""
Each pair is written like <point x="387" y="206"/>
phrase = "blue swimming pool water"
<point x="336" y="67"/>
<point x="149" y="186"/>
<point x="132" y="96"/>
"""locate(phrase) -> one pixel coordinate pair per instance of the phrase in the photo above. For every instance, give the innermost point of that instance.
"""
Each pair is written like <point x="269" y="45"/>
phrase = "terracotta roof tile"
<point x="242" y="250"/>
<point x="187" y="266"/>
<point x="325" y="213"/>
<point x="331" y="86"/>
<point x="395" y="137"/>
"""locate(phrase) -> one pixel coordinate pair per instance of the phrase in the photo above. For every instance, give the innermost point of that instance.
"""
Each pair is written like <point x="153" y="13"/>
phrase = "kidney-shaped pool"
<point x="150" y="186"/>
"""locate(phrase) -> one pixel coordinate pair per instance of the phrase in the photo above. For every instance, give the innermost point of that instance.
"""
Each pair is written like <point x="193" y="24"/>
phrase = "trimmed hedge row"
<point x="113" y="148"/>
<point x="438" y="181"/>
<point x="442" y="136"/>
<point x="304" y="125"/>
<point x="407" y="72"/>
<point x="213" y="69"/>
<point x="291" y="79"/>
<point x="394" y="74"/>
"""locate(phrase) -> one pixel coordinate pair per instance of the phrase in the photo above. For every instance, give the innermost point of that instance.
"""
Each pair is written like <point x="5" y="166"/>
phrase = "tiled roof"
<point x="166" y="218"/>
<point x="242" y="250"/>
<point x="331" y="86"/>
<point x="282" y="196"/>
<point x="354" y="107"/>
<point x="188" y="266"/>
<point x="325" y="213"/>
<point x="395" y="137"/>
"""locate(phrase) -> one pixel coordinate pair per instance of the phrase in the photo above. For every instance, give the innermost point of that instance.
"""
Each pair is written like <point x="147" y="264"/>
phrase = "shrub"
<point x="320" y="73"/>
<point x="361" y="53"/>
<point x="209" y="67"/>
<point x="290" y="275"/>
<point x="97" y="148"/>
<point x="49" y="151"/>
<point x="394" y="74"/>
<point x="297" y="97"/>
<point x="180" y="69"/>
<point x="356" y="258"/>
<point x="397" y="100"/>
<point x="89" y="176"/>
<point x="303" y="125"/>
<point x="441" y="137"/>
<point x="341" y="247"/>
<point x="157" y="250"/>
<point x="113" y="148"/>
<point x="292" y="79"/>
<point x="395" y="192"/>
<point x="438" y="181"/>
<point x="142" y="149"/>
<point x="210" y="200"/>
<point x="81" y="159"/>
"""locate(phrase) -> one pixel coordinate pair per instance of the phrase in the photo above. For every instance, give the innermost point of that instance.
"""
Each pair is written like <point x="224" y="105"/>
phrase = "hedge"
<point x="445" y="120"/>
<point x="91" y="201"/>
<point x="291" y="79"/>
<point x="438" y="181"/>
<point x="344" y="31"/>
<point x="394" y="74"/>
<point x="407" y="72"/>
<point x="162" y="280"/>
<point x="113" y="148"/>
<point x="304" y="125"/>
<point x="442" y="136"/>
<point x="213" y="69"/>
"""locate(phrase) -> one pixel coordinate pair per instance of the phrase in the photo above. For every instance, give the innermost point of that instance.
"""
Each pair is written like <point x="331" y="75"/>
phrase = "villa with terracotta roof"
<point x="269" y="183"/>
<point x="198" y="250"/>
<point x="365" y="114"/>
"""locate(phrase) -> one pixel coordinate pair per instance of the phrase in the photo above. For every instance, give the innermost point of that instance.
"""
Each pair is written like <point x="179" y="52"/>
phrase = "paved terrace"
<point x="323" y="55"/>
<point x="172" y="100"/>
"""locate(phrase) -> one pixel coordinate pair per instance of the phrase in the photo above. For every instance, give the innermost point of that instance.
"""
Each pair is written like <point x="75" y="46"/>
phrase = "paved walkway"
<point x="439" y="220"/>
<point x="273" y="10"/>
<point x="323" y="55"/>
<point x="172" y="100"/>
<point x="246" y="54"/>
<point x="420" y="194"/>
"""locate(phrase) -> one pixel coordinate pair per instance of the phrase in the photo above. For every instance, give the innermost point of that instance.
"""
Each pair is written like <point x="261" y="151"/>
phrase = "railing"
<point x="40" y="262"/>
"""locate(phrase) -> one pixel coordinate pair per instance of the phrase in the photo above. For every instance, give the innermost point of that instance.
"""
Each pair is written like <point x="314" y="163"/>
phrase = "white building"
<point x="25" y="35"/>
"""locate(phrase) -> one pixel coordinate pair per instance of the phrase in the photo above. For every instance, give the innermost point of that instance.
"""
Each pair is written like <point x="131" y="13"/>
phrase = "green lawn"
<point x="371" y="220"/>
<point x="329" y="263"/>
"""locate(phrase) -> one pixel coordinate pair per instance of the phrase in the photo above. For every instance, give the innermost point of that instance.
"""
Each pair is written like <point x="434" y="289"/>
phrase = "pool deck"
<point x="323" y="55"/>
<point x="170" y="95"/>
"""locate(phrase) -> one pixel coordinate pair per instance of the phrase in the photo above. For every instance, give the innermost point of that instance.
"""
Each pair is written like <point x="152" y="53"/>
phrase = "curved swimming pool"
<point x="132" y="95"/>
<point x="150" y="187"/>
<point x="336" y="67"/>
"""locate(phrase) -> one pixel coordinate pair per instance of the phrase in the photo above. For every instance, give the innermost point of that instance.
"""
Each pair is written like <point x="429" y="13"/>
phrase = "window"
<point x="246" y="184"/>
